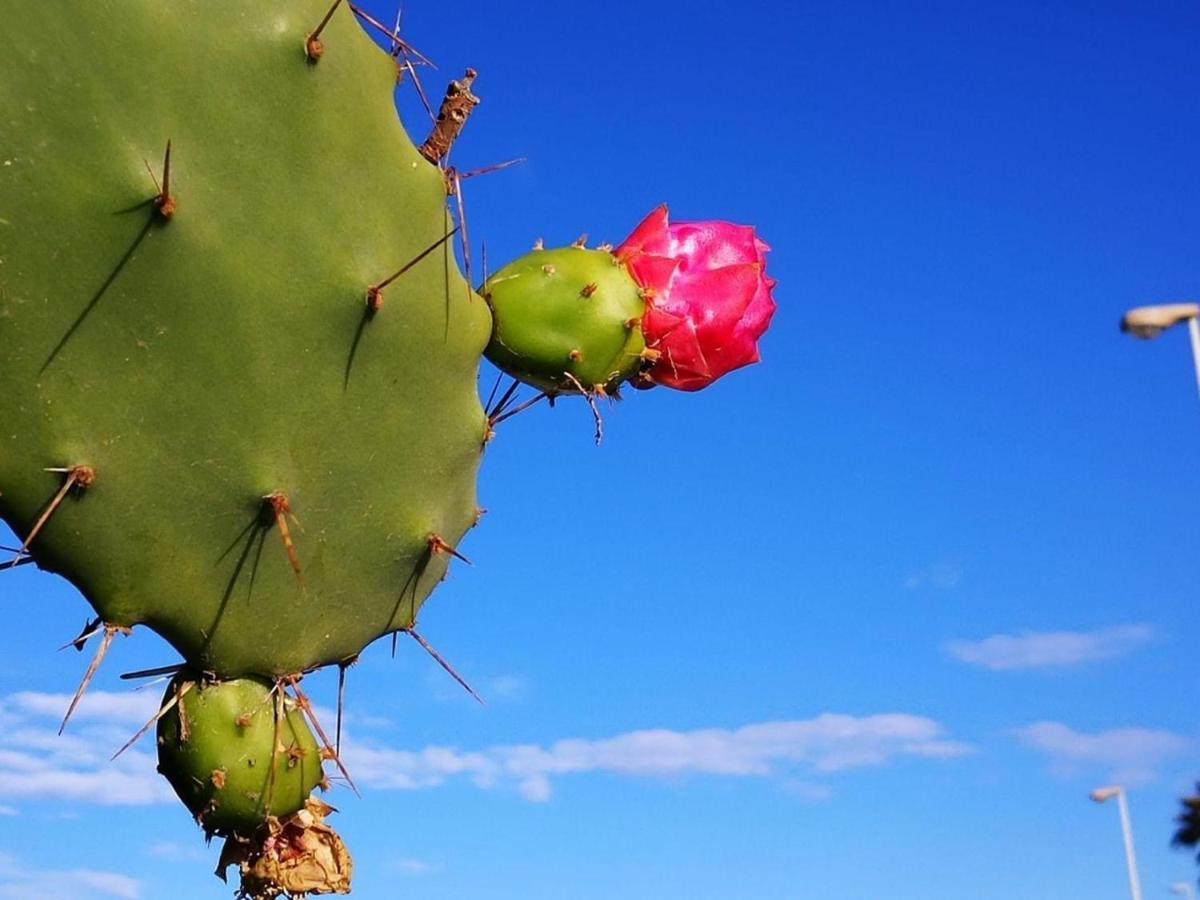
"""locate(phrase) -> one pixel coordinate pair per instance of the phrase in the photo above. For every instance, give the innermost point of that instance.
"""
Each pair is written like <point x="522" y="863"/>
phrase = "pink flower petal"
<point x="708" y="297"/>
<point x="713" y="245"/>
<point x="653" y="273"/>
<point x="649" y="237"/>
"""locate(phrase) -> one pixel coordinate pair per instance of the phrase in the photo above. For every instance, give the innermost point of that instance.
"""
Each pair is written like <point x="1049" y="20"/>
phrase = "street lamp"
<point x="1185" y="888"/>
<point x="1107" y="793"/>
<point x="1150" y="321"/>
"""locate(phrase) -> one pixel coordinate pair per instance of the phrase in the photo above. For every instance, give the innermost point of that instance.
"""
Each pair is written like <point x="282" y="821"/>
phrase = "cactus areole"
<point x="239" y="364"/>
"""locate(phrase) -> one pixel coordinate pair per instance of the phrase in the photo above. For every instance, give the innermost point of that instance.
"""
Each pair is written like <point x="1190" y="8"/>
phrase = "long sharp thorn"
<point x="591" y="399"/>
<point x="505" y="397"/>
<point x="162" y="711"/>
<point x="337" y="728"/>
<point x="408" y="49"/>
<point x="282" y="508"/>
<point x="313" y="48"/>
<point x="109" y="631"/>
<point x="441" y="661"/>
<point x="396" y="29"/>
<point x="151" y="683"/>
<point x="520" y="408"/>
<point x="164" y="202"/>
<point x="276" y="696"/>
<point x="76" y="475"/>
<point x="306" y="706"/>
<point x="438" y="545"/>
<point x="462" y="224"/>
<point x="166" y="182"/>
<point x="153" y="177"/>
<point x="90" y="629"/>
<point x="391" y="35"/>
<point x="495" y="387"/>
<point x="375" y="290"/>
<point x="150" y="673"/>
<point x="495" y="167"/>
<point x="420" y="89"/>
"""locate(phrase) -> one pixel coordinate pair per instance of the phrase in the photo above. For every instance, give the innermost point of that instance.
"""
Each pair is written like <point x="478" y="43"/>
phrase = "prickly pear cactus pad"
<point x="203" y="424"/>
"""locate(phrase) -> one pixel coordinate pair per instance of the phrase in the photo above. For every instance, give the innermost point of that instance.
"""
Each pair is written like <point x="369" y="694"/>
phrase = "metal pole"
<point x="1194" y="331"/>
<point x="1135" y="887"/>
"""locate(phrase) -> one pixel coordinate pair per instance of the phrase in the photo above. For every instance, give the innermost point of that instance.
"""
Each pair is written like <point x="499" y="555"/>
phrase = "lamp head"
<point x="1105" y="793"/>
<point x="1151" y="321"/>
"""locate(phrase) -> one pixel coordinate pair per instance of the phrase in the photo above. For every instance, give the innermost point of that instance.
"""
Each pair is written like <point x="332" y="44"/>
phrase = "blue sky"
<point x="868" y="619"/>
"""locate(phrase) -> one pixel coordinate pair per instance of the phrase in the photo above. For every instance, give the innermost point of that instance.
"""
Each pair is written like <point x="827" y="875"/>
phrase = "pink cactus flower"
<point x="708" y="297"/>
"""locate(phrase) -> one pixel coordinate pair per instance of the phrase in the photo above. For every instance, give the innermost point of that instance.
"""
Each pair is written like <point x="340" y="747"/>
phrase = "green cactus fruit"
<point x="566" y="320"/>
<point x="204" y="425"/>
<point x="236" y="752"/>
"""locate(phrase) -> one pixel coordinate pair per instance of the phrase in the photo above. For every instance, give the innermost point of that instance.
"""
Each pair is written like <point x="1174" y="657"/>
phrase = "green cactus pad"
<point x="236" y="752"/>
<point x="566" y="318"/>
<point x="202" y="363"/>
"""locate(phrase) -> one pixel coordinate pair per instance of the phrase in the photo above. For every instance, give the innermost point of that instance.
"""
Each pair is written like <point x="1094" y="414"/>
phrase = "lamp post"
<point x="1185" y="888"/>
<point x="1150" y="321"/>
<point x="1107" y="793"/>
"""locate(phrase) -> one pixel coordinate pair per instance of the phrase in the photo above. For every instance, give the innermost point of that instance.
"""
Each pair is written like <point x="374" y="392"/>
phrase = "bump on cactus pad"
<point x="236" y="751"/>
<point x="566" y="320"/>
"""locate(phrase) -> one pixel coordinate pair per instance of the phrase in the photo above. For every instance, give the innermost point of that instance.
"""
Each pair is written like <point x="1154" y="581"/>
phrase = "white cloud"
<point x="1034" y="649"/>
<point x="1128" y="755"/>
<point x="9" y="811"/>
<point x="35" y="761"/>
<point x="21" y="883"/>
<point x="132" y="708"/>
<point x="414" y="866"/>
<point x="825" y="744"/>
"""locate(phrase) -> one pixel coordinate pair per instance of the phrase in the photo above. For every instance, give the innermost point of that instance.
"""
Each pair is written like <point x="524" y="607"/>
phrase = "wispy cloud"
<point x="174" y="852"/>
<point x="116" y="708"/>
<point x="506" y="687"/>
<point x="1128" y="755"/>
<point x="825" y="744"/>
<point x="941" y="576"/>
<point x="35" y="761"/>
<point x="413" y="866"/>
<point x="503" y="688"/>
<point x="21" y="883"/>
<point x="1043" y="649"/>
